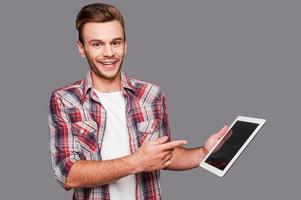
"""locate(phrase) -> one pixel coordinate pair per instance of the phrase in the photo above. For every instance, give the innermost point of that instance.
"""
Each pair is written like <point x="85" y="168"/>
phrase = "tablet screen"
<point x="239" y="134"/>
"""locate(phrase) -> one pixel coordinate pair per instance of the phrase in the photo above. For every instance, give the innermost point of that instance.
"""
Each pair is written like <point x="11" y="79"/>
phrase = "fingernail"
<point x="164" y="137"/>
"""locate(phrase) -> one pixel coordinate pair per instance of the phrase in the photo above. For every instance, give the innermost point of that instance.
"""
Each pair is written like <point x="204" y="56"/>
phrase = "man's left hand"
<point x="213" y="139"/>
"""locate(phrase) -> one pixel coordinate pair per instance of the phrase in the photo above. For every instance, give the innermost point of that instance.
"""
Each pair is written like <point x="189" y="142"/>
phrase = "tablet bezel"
<point x="219" y="172"/>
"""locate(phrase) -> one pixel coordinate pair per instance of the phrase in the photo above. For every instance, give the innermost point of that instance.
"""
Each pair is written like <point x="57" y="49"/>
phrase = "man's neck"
<point x="106" y="85"/>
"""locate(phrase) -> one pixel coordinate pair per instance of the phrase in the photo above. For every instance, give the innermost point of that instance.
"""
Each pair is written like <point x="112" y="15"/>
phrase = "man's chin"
<point x="107" y="75"/>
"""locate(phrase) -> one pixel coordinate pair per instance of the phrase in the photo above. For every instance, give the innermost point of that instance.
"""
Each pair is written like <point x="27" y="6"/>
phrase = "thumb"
<point x="221" y="132"/>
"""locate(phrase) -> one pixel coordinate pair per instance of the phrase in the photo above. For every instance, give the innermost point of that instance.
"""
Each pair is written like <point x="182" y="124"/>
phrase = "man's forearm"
<point x="87" y="174"/>
<point x="151" y="156"/>
<point x="184" y="159"/>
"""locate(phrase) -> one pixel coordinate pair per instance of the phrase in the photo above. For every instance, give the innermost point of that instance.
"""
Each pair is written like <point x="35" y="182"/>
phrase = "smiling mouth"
<point x="108" y="62"/>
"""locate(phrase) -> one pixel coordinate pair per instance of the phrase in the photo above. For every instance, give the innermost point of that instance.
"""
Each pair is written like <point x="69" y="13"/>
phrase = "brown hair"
<point x="97" y="12"/>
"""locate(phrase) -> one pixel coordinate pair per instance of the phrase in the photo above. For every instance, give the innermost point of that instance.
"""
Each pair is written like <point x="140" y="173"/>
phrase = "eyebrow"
<point x="97" y="40"/>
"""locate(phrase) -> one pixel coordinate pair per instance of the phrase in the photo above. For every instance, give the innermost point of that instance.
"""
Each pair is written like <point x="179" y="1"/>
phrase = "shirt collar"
<point x="125" y="84"/>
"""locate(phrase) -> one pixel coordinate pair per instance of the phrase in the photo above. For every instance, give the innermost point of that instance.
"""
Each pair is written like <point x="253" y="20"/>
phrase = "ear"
<point x="125" y="47"/>
<point x="81" y="49"/>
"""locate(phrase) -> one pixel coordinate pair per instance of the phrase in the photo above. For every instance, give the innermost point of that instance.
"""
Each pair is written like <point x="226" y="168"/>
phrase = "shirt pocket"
<point x="87" y="135"/>
<point x="148" y="130"/>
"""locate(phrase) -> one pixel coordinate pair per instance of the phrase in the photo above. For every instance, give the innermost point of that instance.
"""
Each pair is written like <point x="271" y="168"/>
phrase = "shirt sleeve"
<point x="63" y="149"/>
<point x="165" y="130"/>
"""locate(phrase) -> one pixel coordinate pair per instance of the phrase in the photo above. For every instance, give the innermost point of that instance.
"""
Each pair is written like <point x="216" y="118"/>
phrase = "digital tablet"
<point x="231" y="145"/>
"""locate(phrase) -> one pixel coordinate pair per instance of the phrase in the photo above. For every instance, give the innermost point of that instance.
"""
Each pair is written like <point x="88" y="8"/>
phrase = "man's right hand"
<point x="155" y="154"/>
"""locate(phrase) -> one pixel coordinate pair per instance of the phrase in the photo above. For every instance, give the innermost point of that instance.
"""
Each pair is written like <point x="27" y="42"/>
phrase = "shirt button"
<point x="81" y="131"/>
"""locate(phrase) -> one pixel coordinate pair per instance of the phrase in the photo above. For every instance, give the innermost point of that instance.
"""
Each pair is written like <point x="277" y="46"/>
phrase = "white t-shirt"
<point x="116" y="142"/>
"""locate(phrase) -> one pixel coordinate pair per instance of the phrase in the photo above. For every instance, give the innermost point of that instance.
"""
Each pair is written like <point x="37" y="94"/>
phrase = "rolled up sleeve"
<point x="63" y="148"/>
<point x="165" y="130"/>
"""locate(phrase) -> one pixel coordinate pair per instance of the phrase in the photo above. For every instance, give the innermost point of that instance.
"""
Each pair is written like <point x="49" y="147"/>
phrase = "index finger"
<point x="173" y="144"/>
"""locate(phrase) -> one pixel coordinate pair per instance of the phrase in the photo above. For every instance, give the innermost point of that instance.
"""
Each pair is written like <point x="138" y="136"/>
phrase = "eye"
<point x="96" y="45"/>
<point x="116" y="43"/>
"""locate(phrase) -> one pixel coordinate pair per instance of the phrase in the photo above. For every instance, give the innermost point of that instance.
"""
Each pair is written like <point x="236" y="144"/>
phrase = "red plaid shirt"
<point x="77" y="125"/>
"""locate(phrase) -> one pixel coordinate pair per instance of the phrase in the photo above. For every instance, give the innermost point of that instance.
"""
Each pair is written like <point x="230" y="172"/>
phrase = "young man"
<point x="109" y="133"/>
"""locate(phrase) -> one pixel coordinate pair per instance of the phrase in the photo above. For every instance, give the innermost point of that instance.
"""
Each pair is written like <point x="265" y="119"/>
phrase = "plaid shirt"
<point x="77" y="125"/>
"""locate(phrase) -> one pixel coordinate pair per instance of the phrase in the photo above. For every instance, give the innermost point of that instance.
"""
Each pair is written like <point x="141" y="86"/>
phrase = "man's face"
<point x="104" y="47"/>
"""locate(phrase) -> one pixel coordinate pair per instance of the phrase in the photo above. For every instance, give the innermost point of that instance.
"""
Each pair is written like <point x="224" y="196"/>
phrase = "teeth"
<point x="108" y="62"/>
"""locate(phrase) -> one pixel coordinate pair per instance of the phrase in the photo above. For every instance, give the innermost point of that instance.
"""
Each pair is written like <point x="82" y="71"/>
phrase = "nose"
<point x="108" y="51"/>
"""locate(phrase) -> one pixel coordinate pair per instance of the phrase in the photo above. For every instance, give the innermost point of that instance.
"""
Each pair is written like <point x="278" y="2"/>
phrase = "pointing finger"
<point x="173" y="144"/>
<point x="160" y="140"/>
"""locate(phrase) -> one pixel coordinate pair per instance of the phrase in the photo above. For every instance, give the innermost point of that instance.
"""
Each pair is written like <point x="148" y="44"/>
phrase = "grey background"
<point x="214" y="59"/>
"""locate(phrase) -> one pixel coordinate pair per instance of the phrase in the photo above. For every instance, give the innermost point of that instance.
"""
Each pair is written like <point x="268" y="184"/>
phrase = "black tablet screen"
<point x="231" y="143"/>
